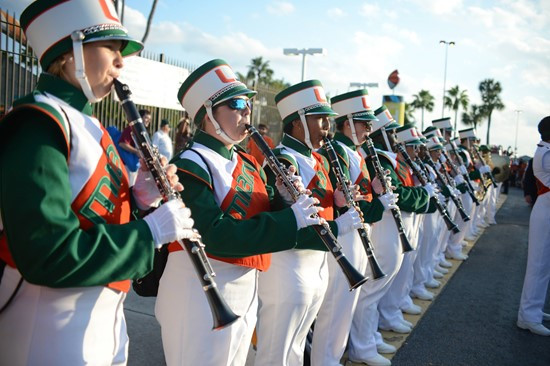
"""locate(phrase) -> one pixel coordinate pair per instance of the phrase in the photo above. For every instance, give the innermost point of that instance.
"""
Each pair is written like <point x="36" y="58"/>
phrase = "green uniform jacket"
<point x="372" y="211"/>
<point x="411" y="199"/>
<point x="222" y="234"/>
<point x="43" y="233"/>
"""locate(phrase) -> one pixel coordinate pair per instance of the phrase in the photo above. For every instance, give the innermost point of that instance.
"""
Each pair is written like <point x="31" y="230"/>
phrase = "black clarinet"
<point x="344" y="183"/>
<point x="489" y="174"/>
<point x="423" y="181"/>
<point x="221" y="313"/>
<point x="471" y="190"/>
<point x="396" y="212"/>
<point x="354" y="277"/>
<point x="445" y="180"/>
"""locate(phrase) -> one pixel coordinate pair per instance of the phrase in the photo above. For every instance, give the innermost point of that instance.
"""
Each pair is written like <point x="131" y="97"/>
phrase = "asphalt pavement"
<point x="473" y="320"/>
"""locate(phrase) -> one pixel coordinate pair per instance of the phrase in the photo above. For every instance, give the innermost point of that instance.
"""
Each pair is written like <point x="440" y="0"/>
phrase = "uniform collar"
<point x="214" y="144"/>
<point x="340" y="137"/>
<point x="66" y="92"/>
<point x="296" y="145"/>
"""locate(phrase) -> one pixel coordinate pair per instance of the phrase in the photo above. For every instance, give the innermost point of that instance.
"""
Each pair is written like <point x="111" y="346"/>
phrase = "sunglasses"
<point x="238" y="104"/>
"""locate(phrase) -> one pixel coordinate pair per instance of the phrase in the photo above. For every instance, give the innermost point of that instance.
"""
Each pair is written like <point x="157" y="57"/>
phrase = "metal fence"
<point x="19" y="70"/>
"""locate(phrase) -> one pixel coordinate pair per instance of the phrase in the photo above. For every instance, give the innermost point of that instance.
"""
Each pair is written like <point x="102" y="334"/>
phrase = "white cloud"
<point x="335" y="13"/>
<point x="401" y="33"/>
<point x="370" y="10"/>
<point x="439" y="7"/>
<point x="280" y="8"/>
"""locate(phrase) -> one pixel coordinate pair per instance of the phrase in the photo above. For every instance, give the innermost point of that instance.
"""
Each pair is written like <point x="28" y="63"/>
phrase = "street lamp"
<point x="363" y="85"/>
<point x="518" y="111"/>
<point x="304" y="52"/>
<point x="447" y="44"/>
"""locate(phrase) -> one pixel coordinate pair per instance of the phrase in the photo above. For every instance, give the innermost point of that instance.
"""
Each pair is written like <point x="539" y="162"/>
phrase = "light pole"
<point x="447" y="44"/>
<point x="518" y="111"/>
<point x="304" y="52"/>
<point x="363" y="85"/>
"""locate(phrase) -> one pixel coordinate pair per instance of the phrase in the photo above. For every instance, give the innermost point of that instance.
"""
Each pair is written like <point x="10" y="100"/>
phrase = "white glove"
<point x="285" y="194"/>
<point x="485" y="169"/>
<point x="350" y="220"/>
<point x="441" y="197"/>
<point x="442" y="159"/>
<point x="459" y="179"/>
<point x="303" y="210"/>
<point x="431" y="189"/>
<point x="170" y="222"/>
<point x="438" y="166"/>
<point x="462" y="170"/>
<point x="389" y="200"/>
<point x="456" y="192"/>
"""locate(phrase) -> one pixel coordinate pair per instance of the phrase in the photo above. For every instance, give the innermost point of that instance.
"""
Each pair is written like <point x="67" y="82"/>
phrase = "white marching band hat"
<point x="433" y="143"/>
<point x="355" y="104"/>
<point x="408" y="135"/>
<point x="443" y="123"/>
<point x="385" y="119"/>
<point x="467" y="133"/>
<point x="49" y="24"/>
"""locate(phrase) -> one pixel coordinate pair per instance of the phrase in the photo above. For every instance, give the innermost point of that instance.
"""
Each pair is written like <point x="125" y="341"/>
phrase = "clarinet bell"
<point x="222" y="315"/>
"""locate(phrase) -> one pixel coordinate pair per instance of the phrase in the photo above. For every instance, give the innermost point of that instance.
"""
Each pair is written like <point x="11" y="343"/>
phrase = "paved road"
<point x="472" y="321"/>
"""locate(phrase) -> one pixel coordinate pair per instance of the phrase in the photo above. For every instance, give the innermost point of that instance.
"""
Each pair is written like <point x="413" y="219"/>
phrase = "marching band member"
<point x="292" y="291"/>
<point x="365" y="343"/>
<point x="389" y="307"/>
<point x="537" y="274"/>
<point x="67" y="238"/>
<point x="231" y="204"/>
<point x="333" y="321"/>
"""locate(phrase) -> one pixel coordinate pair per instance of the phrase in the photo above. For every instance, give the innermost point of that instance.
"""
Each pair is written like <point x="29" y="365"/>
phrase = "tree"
<point x="474" y="117"/>
<point x="423" y="101"/>
<point x="409" y="117"/>
<point x="456" y="98"/>
<point x="259" y="71"/>
<point x="149" y="20"/>
<point x="490" y="96"/>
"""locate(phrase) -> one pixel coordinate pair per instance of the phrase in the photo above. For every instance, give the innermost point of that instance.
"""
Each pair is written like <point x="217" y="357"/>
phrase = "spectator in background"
<point x="254" y="150"/>
<point x="128" y="152"/>
<point x="183" y="133"/>
<point x="529" y="184"/>
<point x="162" y="140"/>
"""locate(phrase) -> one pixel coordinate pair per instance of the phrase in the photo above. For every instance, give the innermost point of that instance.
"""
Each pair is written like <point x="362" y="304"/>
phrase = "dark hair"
<point x="261" y="125"/>
<point x="544" y="128"/>
<point x="288" y="128"/>
<point x="144" y="112"/>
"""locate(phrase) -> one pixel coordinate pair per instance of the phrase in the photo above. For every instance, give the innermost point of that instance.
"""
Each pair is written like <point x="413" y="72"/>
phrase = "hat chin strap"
<point x="219" y="131"/>
<point x="386" y="141"/>
<point x="307" y="139"/>
<point x="80" y="74"/>
<point x="353" y="132"/>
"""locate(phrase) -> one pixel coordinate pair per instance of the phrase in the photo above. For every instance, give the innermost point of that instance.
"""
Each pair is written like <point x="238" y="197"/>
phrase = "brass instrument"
<point x="221" y="313"/>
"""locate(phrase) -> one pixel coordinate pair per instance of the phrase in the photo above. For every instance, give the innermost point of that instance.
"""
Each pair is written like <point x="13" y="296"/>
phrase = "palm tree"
<point x="409" y="109"/>
<point x="456" y="98"/>
<point x="423" y="100"/>
<point x="474" y="117"/>
<point x="490" y="96"/>
<point x="259" y="71"/>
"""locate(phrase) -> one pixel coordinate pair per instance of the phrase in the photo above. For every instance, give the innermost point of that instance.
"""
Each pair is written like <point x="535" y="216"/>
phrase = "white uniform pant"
<point x="186" y="319"/>
<point x="423" y="265"/>
<point x="406" y="300"/>
<point x="333" y="322"/>
<point x="70" y="326"/>
<point x="455" y="240"/>
<point x="389" y="306"/>
<point x="443" y="236"/>
<point x="537" y="274"/>
<point x="385" y="238"/>
<point x="290" y="295"/>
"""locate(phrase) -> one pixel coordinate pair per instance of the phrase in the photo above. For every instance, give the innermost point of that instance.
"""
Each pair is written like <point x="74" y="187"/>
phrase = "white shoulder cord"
<point x="219" y="130"/>
<point x="307" y="139"/>
<point x="80" y="74"/>
<point x="388" y="146"/>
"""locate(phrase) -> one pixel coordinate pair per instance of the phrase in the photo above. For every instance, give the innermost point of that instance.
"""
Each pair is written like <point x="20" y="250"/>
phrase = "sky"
<point x="508" y="41"/>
